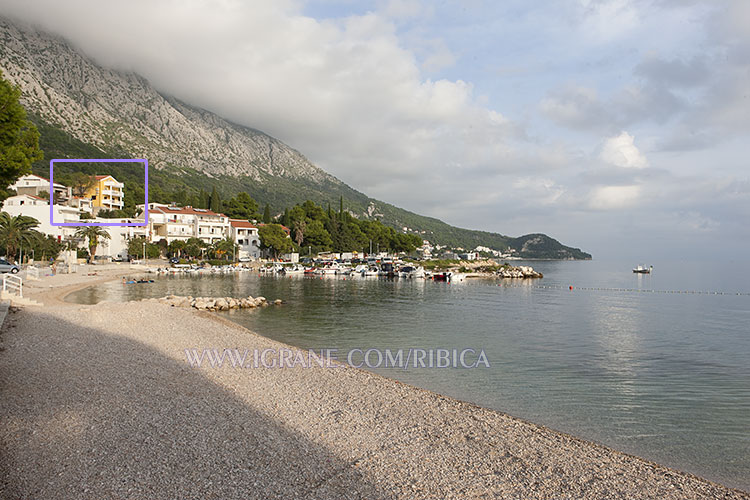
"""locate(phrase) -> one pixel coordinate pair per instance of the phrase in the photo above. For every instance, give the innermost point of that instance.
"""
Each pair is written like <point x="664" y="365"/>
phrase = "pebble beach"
<point x="100" y="402"/>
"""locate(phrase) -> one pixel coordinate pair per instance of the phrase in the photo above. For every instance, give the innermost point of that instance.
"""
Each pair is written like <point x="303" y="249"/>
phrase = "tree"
<point x="136" y="246"/>
<point x="267" y="214"/>
<point x="204" y="199"/>
<point x="215" y="201"/>
<point x="46" y="248"/>
<point x="19" y="138"/>
<point x="80" y="183"/>
<point x="176" y="247"/>
<point x="193" y="247"/>
<point x="225" y="248"/>
<point x="241" y="207"/>
<point x="274" y="239"/>
<point x="299" y="231"/>
<point x="92" y="234"/>
<point x="17" y="231"/>
<point x="316" y="236"/>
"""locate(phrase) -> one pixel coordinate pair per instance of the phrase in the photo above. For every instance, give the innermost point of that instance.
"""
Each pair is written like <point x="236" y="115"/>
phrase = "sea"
<point x="654" y="365"/>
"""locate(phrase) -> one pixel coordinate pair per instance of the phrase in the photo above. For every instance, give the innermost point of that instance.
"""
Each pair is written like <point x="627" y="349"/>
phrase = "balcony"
<point x="112" y="203"/>
<point x="111" y="192"/>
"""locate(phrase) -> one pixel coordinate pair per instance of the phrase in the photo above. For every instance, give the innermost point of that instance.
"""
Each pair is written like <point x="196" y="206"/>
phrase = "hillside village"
<point x="169" y="223"/>
<point x="169" y="226"/>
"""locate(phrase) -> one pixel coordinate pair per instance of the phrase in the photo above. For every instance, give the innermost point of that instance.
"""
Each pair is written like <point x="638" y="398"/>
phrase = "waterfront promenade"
<point x="100" y="402"/>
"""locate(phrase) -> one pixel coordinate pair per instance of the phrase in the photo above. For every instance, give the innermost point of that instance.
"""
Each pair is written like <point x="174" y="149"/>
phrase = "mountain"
<point x="83" y="109"/>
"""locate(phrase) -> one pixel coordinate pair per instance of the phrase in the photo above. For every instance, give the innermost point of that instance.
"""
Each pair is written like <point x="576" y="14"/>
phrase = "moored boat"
<point x="641" y="269"/>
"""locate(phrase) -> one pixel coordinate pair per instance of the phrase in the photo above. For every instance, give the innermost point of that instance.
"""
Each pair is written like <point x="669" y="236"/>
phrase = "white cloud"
<point x="622" y="152"/>
<point x="614" y="197"/>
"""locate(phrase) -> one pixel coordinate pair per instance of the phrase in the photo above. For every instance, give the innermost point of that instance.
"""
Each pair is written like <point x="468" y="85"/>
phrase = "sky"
<point x="617" y="126"/>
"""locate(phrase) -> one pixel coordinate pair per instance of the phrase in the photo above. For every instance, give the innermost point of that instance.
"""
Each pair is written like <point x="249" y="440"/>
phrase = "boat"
<point x="444" y="276"/>
<point x="641" y="269"/>
<point x="330" y="267"/>
<point x="411" y="272"/>
<point x="295" y="269"/>
<point x="371" y="271"/>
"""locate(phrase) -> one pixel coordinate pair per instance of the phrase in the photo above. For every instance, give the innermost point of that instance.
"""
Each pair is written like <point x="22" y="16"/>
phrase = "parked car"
<point x="7" y="267"/>
<point x="174" y="260"/>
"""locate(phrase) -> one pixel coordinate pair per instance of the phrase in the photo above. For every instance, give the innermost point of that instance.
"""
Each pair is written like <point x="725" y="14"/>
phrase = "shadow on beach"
<point x="87" y="414"/>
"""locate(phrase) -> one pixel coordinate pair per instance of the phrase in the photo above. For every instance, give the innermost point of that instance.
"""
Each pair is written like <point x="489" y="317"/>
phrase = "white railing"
<point x="12" y="284"/>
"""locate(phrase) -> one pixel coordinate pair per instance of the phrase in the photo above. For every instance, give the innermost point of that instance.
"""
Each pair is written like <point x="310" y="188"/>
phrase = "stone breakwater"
<point x="518" y="272"/>
<point x="216" y="303"/>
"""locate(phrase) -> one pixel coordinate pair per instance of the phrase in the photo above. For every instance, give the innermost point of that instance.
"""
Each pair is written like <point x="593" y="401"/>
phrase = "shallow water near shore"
<point x="665" y="376"/>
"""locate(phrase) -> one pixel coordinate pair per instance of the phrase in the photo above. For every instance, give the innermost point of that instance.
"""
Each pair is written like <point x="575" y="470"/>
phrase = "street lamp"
<point x="144" y="251"/>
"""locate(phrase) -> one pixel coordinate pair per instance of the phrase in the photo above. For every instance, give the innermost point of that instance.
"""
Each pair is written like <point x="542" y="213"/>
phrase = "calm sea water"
<point x="661" y="375"/>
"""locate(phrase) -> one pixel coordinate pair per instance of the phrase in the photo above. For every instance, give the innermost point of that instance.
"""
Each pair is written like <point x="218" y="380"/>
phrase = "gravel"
<point x="100" y="402"/>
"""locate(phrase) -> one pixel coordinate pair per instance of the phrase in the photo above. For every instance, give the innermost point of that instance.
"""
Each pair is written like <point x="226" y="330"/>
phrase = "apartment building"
<point x="245" y="235"/>
<point x="180" y="223"/>
<point x="106" y="193"/>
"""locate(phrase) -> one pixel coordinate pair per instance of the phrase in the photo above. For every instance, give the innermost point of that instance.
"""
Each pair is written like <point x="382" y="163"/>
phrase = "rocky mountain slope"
<point x="122" y="114"/>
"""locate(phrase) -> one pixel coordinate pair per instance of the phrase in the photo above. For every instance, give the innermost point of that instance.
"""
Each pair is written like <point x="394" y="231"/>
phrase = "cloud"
<point x="404" y="101"/>
<point x="576" y="107"/>
<point x="614" y="197"/>
<point x="622" y="152"/>
<point x="674" y="72"/>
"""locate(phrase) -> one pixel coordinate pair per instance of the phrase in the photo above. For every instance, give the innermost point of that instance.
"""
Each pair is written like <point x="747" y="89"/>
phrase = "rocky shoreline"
<point x="214" y="303"/>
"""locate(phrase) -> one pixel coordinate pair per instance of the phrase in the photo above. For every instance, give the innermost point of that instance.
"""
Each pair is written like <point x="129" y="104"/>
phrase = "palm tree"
<point x="17" y="231"/>
<point x="92" y="233"/>
<point x="224" y="247"/>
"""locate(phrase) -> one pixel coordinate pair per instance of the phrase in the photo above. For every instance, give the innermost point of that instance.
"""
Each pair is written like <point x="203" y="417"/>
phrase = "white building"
<point x="180" y="223"/>
<point x="119" y="237"/>
<point x="38" y="208"/>
<point x="245" y="236"/>
<point x="36" y="185"/>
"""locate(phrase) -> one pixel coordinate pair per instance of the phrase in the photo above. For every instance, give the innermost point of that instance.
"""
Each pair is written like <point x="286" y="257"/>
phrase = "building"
<point x="38" y="208"/>
<point x="245" y="235"/>
<point x="180" y="223"/>
<point x="106" y="193"/>
<point x="119" y="238"/>
<point x="35" y="185"/>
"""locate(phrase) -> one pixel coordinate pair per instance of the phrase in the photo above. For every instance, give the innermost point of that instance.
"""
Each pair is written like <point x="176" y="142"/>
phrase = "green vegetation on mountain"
<point x="242" y="197"/>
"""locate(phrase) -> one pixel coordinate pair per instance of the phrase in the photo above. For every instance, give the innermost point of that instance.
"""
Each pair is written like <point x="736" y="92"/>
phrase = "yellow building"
<point x="106" y="194"/>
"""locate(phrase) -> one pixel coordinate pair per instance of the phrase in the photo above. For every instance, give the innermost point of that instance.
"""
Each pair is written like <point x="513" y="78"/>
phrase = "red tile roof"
<point x="185" y="210"/>
<point x="241" y="223"/>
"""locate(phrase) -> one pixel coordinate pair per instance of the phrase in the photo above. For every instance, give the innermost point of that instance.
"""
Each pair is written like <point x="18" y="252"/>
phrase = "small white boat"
<point x="641" y="269"/>
<point x="328" y="268"/>
<point x="371" y="271"/>
<point x="295" y="269"/>
<point x="411" y="272"/>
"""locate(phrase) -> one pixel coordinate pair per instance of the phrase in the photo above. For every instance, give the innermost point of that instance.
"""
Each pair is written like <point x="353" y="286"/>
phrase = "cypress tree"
<point x="215" y="201"/>
<point x="267" y="214"/>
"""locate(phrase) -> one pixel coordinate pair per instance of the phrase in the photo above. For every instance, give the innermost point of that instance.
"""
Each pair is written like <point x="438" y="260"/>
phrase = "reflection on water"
<point x="662" y="376"/>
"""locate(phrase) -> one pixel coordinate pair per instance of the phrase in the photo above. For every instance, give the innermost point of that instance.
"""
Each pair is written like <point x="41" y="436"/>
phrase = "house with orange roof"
<point x="245" y="236"/>
<point x="171" y="222"/>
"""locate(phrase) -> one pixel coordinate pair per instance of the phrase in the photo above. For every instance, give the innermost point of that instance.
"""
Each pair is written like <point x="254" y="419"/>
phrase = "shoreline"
<point x="480" y="450"/>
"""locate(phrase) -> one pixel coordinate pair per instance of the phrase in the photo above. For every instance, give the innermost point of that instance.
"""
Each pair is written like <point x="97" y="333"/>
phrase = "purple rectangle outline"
<point x="98" y="160"/>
